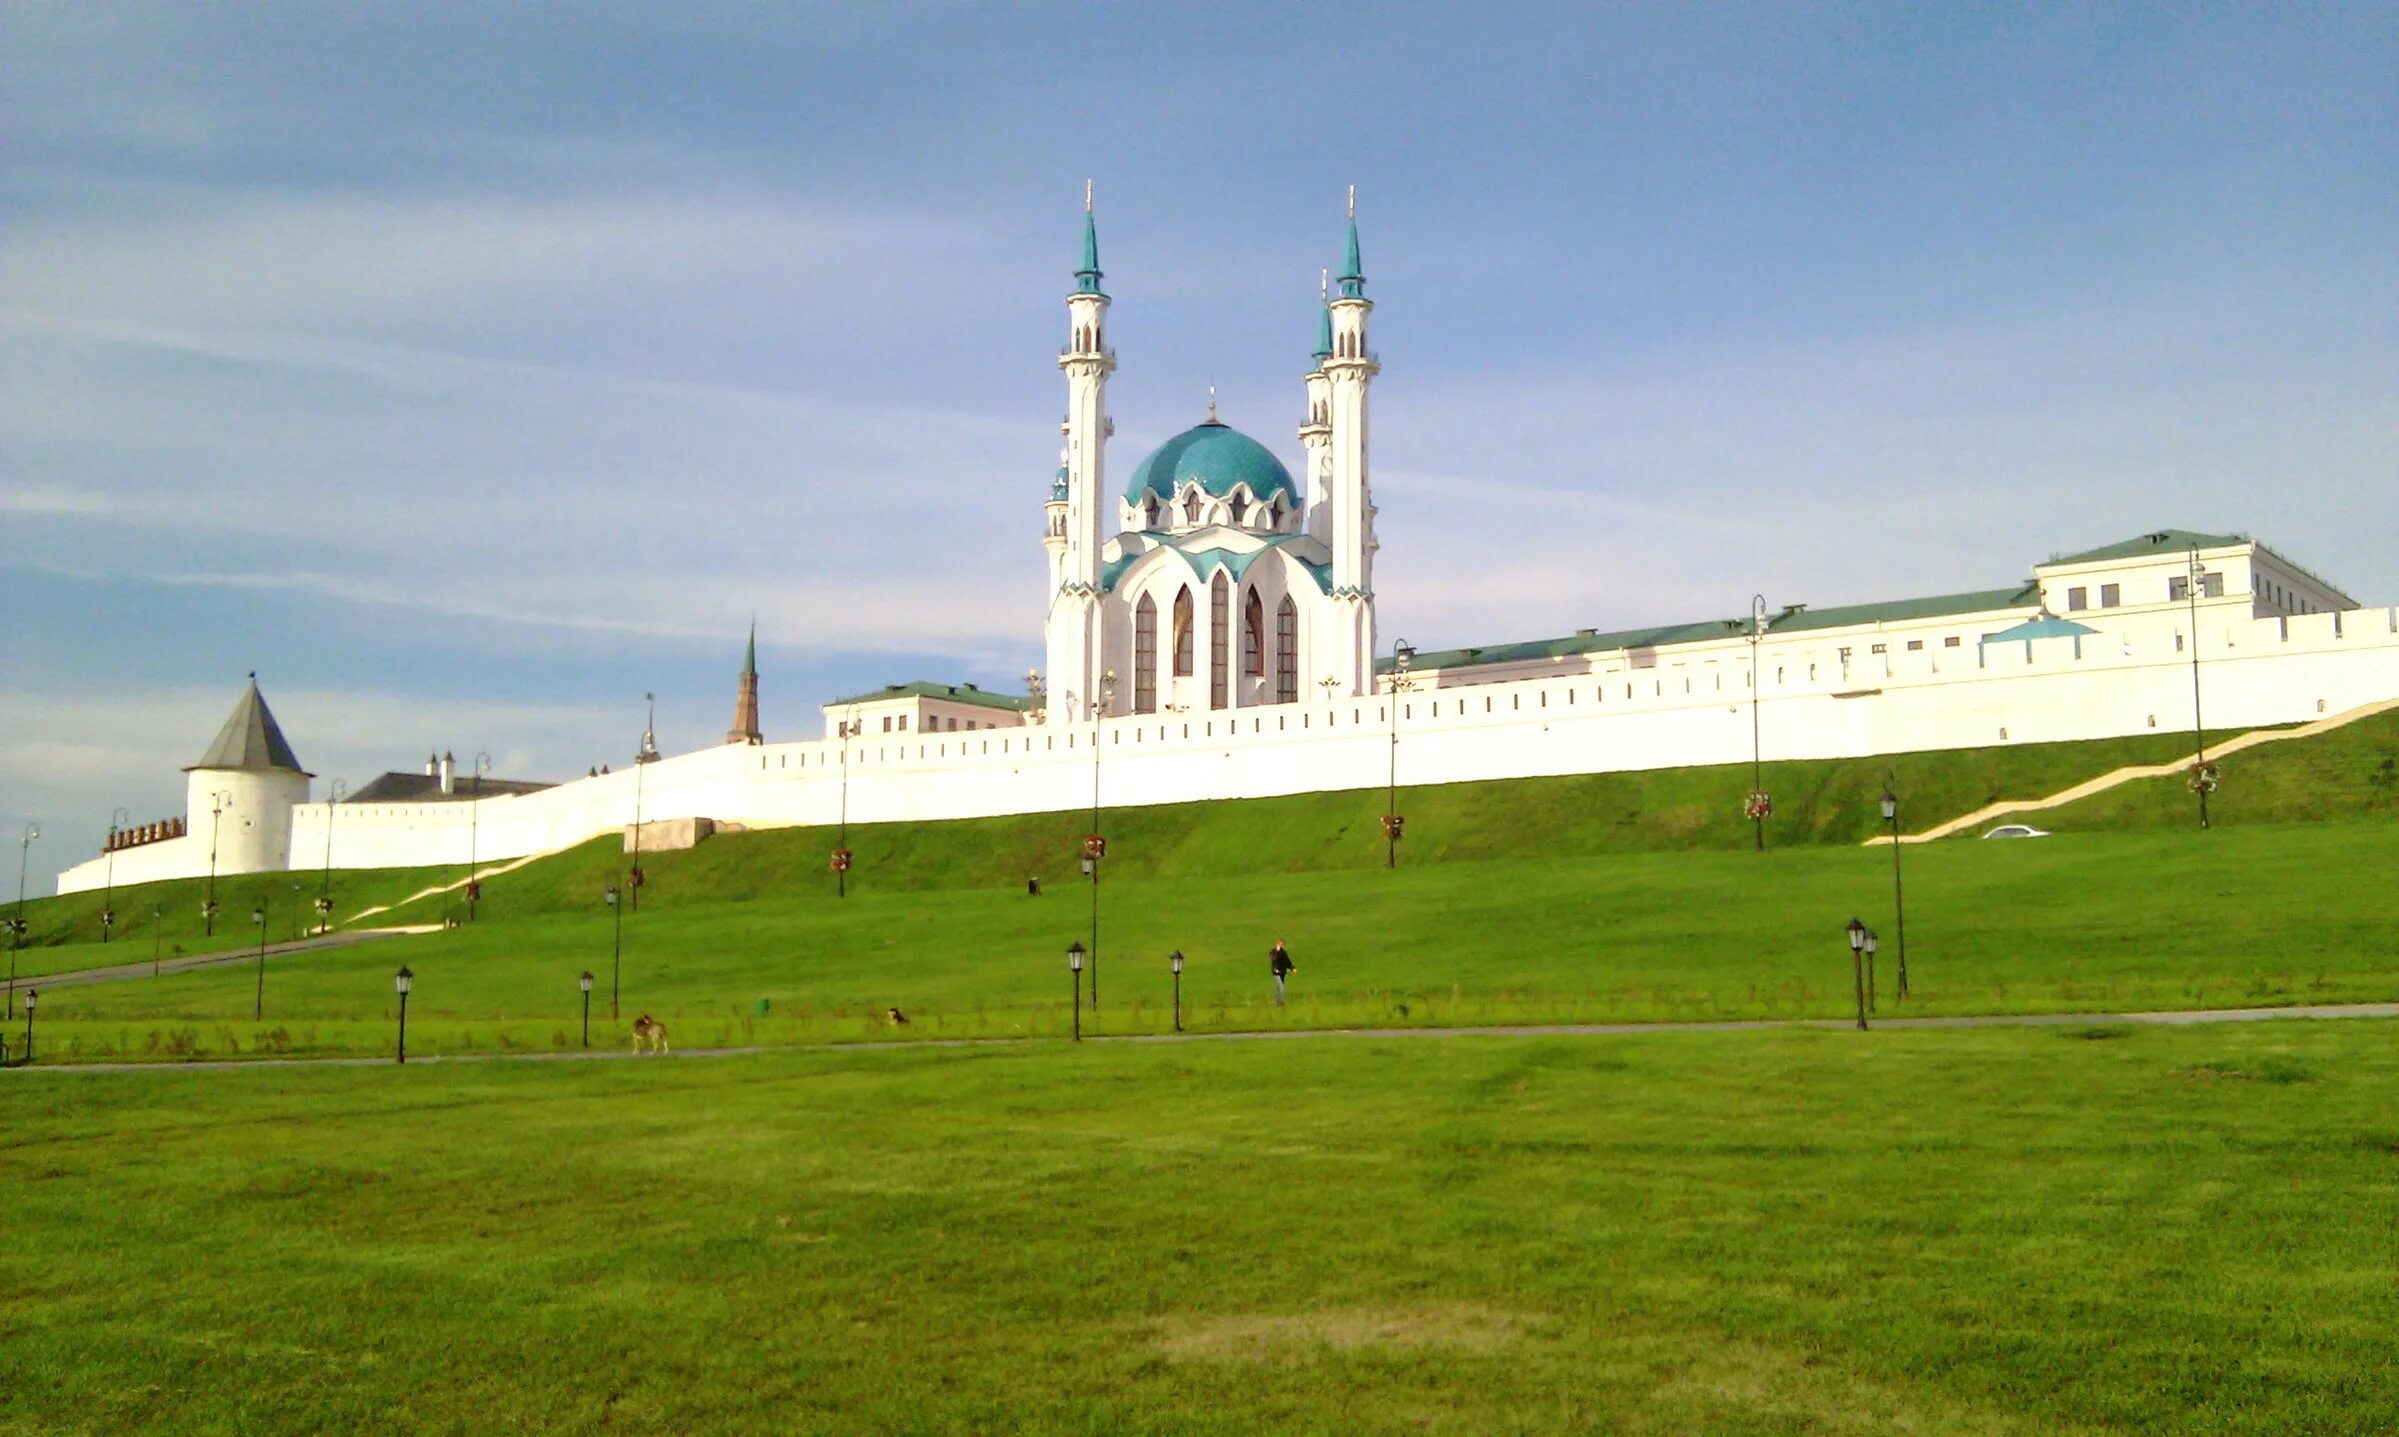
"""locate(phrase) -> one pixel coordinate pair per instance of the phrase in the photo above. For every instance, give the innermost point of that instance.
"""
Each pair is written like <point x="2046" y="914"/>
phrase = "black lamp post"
<point x="1095" y="845"/>
<point x="1899" y="902"/>
<point x="2203" y="779"/>
<point x="32" y="996"/>
<point x="647" y="755"/>
<point x="402" y="981"/>
<point x="325" y="890"/>
<point x="216" y="817"/>
<point x="1174" y="965"/>
<point x="584" y="982"/>
<point x="1403" y="653"/>
<point x="847" y="729"/>
<point x="474" y="835"/>
<point x="1857" y="962"/>
<point x="117" y="820"/>
<point x="1874" y="941"/>
<point x="1759" y="804"/>
<point x="16" y="928"/>
<point x="1074" y="961"/>
<point x="258" y="915"/>
<point x="616" y="963"/>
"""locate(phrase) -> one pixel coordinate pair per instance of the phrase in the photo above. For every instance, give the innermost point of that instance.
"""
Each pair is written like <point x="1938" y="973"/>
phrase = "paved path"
<point x="187" y="962"/>
<point x="1531" y="1030"/>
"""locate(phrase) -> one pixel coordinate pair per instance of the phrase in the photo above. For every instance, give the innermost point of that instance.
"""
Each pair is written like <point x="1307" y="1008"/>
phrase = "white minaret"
<point x="1347" y="373"/>
<point x="1073" y="630"/>
<point x="1316" y="432"/>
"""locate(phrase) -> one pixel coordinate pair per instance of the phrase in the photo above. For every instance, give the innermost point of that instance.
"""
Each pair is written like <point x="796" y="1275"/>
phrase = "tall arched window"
<point x="1286" y="652"/>
<point x="1220" y="633"/>
<point x="1182" y="633"/>
<point x="1253" y="637"/>
<point x="1191" y="505"/>
<point x="1145" y="656"/>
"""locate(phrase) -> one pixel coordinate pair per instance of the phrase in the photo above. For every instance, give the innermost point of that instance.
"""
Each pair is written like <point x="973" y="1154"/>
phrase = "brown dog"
<point x="649" y="1034"/>
<point x="895" y="1017"/>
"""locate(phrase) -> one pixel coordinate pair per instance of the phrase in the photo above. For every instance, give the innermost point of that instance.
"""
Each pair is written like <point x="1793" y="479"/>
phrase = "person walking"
<point x="1279" y="963"/>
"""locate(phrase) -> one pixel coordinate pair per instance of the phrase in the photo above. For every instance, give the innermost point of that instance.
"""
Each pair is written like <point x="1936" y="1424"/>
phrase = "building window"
<point x="1879" y="649"/>
<point x="1149" y="513"/>
<point x="2077" y="599"/>
<point x="1915" y="645"/>
<point x="886" y="723"/>
<point x="1253" y="637"/>
<point x="1240" y="508"/>
<point x="1145" y="656"/>
<point x="1220" y="635"/>
<point x="1286" y="652"/>
<point x="2178" y="588"/>
<point x="2211" y="586"/>
<point x="2111" y="595"/>
<point x="1191" y="506"/>
<point x="1182" y="633"/>
<point x="1950" y="642"/>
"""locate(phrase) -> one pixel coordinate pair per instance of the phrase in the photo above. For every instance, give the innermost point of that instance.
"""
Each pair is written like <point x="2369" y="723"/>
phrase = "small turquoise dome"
<point x="1216" y="457"/>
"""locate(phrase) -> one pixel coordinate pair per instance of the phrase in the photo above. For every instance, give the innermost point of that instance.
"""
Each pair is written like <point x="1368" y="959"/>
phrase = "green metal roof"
<point x="2046" y="626"/>
<point x="1353" y="275"/>
<point x="1324" y="334"/>
<point x="2162" y="541"/>
<point x="1793" y="620"/>
<point x="250" y="739"/>
<point x="1216" y="457"/>
<point x="749" y="661"/>
<point x="1087" y="279"/>
<point x="952" y="693"/>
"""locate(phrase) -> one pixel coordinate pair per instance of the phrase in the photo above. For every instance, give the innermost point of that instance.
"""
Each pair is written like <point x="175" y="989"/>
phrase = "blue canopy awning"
<point x="2044" y="626"/>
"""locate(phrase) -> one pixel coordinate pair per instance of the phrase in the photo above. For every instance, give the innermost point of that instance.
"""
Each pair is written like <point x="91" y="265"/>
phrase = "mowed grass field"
<point x="2081" y="922"/>
<point x="1985" y="1231"/>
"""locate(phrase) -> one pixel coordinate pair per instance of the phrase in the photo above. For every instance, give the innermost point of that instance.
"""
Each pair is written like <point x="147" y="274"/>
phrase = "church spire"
<point x="1087" y="279"/>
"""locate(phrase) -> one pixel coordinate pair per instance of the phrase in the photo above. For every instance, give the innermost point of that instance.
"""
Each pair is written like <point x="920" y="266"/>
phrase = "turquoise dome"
<point x="1216" y="457"/>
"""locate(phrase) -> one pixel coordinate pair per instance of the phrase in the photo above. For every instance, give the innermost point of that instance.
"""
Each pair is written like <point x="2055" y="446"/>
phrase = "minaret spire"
<point x="1348" y="495"/>
<point x="1081" y="511"/>
<point x="1353" y="274"/>
<point x="1324" y="317"/>
<point x="1087" y="279"/>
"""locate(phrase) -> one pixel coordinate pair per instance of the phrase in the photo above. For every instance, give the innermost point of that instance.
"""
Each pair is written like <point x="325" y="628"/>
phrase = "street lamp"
<point x="2203" y="777"/>
<point x="1402" y="654"/>
<point x="642" y="759"/>
<point x="1857" y="962"/>
<point x="1874" y="941"/>
<point x="16" y="928"/>
<point x="616" y="964"/>
<point x="1174" y="965"/>
<point x="258" y="915"/>
<point x="117" y="819"/>
<point x="325" y="891"/>
<point x="158" y="933"/>
<point x="1074" y="961"/>
<point x="474" y="834"/>
<point x="218" y="802"/>
<point x="32" y="996"/>
<point x="402" y="981"/>
<point x="1095" y="847"/>
<point x="584" y="983"/>
<point x="1759" y="805"/>
<point x="847" y="729"/>
<point x="1899" y="902"/>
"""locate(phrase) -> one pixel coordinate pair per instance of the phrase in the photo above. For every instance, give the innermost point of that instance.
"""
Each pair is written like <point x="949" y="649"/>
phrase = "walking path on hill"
<point x="342" y="939"/>
<point x="2181" y="1018"/>
<point x="2008" y="807"/>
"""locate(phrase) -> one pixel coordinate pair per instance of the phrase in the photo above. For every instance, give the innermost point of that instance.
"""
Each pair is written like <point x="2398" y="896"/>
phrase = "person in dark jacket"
<point x="1279" y="963"/>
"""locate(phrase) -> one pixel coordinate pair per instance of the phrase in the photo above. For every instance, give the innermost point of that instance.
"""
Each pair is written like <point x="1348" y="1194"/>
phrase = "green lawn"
<point x="1992" y="1231"/>
<point x="2081" y="922"/>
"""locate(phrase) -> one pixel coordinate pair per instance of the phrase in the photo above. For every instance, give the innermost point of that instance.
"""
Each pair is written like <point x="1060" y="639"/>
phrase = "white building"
<point x="1211" y="635"/>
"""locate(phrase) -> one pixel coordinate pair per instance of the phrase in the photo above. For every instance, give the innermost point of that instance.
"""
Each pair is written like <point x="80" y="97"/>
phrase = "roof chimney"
<point x="445" y="773"/>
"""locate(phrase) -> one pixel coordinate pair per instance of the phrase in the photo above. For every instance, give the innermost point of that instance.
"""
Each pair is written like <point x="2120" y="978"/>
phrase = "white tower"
<point x="1352" y="366"/>
<point x="1073" y="630"/>
<point x="239" y="796"/>
<point x="1316" y="433"/>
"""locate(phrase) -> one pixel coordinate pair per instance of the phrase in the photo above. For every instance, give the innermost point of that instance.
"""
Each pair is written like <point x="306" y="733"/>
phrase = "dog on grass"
<point x="649" y="1034"/>
<point x="895" y="1017"/>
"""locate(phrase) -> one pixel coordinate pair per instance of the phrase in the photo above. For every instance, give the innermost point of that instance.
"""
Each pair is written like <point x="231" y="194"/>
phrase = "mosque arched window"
<point x="1182" y="633"/>
<point x="1239" y="505"/>
<point x="1286" y="652"/>
<point x="1274" y="515"/>
<point x="1149" y="512"/>
<point x="1253" y="637"/>
<point x="1145" y="656"/>
<point x="1191" y="505"/>
<point x="1220" y="633"/>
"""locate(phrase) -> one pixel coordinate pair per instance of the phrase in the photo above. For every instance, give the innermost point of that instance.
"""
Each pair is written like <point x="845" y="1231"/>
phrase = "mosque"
<point x="1210" y="634"/>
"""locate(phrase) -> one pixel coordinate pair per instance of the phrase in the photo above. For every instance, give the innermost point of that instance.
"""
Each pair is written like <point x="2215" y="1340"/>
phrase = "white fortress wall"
<point x="2132" y="679"/>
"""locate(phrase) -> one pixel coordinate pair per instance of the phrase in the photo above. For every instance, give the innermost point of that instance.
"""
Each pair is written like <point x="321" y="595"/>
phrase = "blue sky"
<point x="469" y="370"/>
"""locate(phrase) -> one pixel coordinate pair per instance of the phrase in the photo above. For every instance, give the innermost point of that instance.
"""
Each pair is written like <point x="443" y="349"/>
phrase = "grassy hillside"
<point x="2350" y="772"/>
<point x="1784" y="1233"/>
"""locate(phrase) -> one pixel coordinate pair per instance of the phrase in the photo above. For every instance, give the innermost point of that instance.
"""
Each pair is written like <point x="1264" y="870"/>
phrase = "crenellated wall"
<point x="1682" y="710"/>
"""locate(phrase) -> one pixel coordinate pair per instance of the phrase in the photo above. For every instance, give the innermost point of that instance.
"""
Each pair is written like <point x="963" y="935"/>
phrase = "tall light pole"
<point x="117" y="819"/>
<point x="325" y="890"/>
<point x="847" y="729"/>
<point x="1095" y="846"/>
<point x="258" y="915"/>
<point x="1758" y="804"/>
<point x="1857" y="963"/>
<point x="1074" y="963"/>
<point x="2203" y="778"/>
<point x="402" y="981"/>
<point x="474" y="834"/>
<point x="616" y="961"/>
<point x="1174" y="965"/>
<point x="32" y="997"/>
<point x="584" y="983"/>
<point x="1403" y="653"/>
<point x="16" y="928"/>
<point x="647" y="755"/>
<point x="216" y="815"/>
<point x="1899" y="902"/>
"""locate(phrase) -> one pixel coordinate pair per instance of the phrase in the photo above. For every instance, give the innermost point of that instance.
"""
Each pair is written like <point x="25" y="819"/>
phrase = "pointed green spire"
<point x="1324" y="321"/>
<point x="1087" y="279"/>
<point x="749" y="662"/>
<point x="1353" y="274"/>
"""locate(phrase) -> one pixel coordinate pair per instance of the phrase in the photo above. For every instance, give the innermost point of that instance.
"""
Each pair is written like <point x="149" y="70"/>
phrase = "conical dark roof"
<point x="250" y="738"/>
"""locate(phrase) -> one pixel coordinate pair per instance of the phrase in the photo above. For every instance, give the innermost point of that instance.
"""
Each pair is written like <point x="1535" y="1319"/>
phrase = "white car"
<point x="2017" y="830"/>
